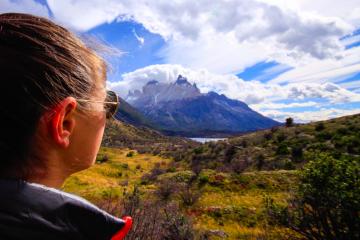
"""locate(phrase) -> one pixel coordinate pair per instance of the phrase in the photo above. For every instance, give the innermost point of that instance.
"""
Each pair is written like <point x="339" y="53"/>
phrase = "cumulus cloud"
<point x="307" y="116"/>
<point x="292" y="31"/>
<point x="229" y="35"/>
<point x="84" y="15"/>
<point x="251" y="92"/>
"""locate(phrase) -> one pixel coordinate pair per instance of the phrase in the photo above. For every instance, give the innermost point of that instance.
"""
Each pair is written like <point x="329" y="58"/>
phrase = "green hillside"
<point x="281" y="147"/>
<point x="127" y="113"/>
<point x="143" y="139"/>
<point x="178" y="189"/>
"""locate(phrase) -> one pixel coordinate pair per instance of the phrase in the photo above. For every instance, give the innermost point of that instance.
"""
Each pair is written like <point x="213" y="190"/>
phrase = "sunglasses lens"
<point x="112" y="104"/>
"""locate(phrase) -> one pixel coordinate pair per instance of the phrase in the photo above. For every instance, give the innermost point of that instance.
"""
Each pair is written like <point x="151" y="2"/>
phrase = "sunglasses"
<point x="111" y="103"/>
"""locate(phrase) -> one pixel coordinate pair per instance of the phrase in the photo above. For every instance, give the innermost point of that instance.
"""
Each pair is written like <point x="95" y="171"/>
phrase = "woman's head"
<point x="44" y="68"/>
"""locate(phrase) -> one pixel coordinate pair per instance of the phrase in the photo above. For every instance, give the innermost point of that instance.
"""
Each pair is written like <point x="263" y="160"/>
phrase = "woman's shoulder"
<point x="42" y="212"/>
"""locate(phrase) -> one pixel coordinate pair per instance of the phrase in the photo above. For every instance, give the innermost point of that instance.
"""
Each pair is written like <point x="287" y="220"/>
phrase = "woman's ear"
<point x="63" y="122"/>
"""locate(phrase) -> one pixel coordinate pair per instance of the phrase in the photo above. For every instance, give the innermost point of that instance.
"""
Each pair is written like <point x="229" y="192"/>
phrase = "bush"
<point x="324" y="136"/>
<point x="125" y="166"/>
<point x="239" y="166"/>
<point x="268" y="135"/>
<point x="188" y="196"/>
<point x="260" y="161"/>
<point x="282" y="149"/>
<point x="281" y="137"/>
<point x="166" y="189"/>
<point x="297" y="153"/>
<point x="327" y="203"/>
<point x="154" y="220"/>
<point x="130" y="154"/>
<point x="102" y="158"/>
<point x="199" y="150"/>
<point x="203" y="179"/>
<point x="152" y="176"/>
<point x="180" y="176"/>
<point x="319" y="127"/>
<point x="230" y="151"/>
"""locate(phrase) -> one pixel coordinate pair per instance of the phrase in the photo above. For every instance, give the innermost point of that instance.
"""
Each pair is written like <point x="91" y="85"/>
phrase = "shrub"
<point x="171" y="169"/>
<point x="268" y="135"/>
<point x="166" y="189"/>
<point x="324" y="136"/>
<point x="319" y="127"/>
<point x="260" y="161"/>
<point x="281" y="137"/>
<point x="282" y="149"/>
<point x="180" y="176"/>
<point x="203" y="179"/>
<point x="199" y="150"/>
<point x="154" y="220"/>
<point x="239" y="166"/>
<point x="342" y="131"/>
<point x="229" y="153"/>
<point x="102" y="158"/>
<point x="327" y="203"/>
<point x="289" y="165"/>
<point x="244" y="143"/>
<point x="130" y="154"/>
<point x="297" y="153"/>
<point x="188" y="196"/>
<point x="156" y="151"/>
<point x="152" y="176"/>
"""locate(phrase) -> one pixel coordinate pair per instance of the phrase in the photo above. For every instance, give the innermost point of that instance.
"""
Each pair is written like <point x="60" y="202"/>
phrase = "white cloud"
<point x="351" y="39"/>
<point x="84" y="15"/>
<point x="24" y="6"/>
<point x="329" y="70"/>
<point x="352" y="84"/>
<point x="347" y="10"/>
<point x="225" y="37"/>
<point x="308" y="116"/>
<point x="229" y="35"/>
<point x="251" y="92"/>
<point x="141" y="40"/>
<point x="270" y="105"/>
<point x="249" y="30"/>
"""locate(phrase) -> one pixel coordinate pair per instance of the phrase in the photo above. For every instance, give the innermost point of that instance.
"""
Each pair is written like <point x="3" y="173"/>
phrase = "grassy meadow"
<point x="230" y="206"/>
<point x="121" y="170"/>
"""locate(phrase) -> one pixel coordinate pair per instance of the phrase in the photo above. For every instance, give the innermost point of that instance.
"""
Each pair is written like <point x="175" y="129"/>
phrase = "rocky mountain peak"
<point x="152" y="82"/>
<point x="182" y="80"/>
<point x="155" y="92"/>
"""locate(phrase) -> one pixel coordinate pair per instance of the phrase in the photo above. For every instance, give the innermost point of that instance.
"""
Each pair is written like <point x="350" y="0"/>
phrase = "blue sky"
<point x="126" y="36"/>
<point x="283" y="58"/>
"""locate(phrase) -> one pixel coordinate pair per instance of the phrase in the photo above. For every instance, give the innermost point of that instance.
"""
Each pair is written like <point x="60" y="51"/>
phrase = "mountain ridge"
<point x="179" y="108"/>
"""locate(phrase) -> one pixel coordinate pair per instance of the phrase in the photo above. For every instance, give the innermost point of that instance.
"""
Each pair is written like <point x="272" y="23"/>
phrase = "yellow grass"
<point x="251" y="199"/>
<point x="120" y="173"/>
<point x="112" y="177"/>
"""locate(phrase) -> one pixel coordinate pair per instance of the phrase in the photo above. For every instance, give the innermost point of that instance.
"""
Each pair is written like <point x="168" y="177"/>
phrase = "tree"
<point x="289" y="122"/>
<point x="320" y="126"/>
<point x="297" y="153"/>
<point x="327" y="203"/>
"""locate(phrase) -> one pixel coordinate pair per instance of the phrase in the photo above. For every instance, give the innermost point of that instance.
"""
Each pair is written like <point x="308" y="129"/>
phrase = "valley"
<point x="221" y="190"/>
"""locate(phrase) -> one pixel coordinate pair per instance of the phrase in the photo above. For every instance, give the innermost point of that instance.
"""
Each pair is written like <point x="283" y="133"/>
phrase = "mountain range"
<point x="179" y="108"/>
